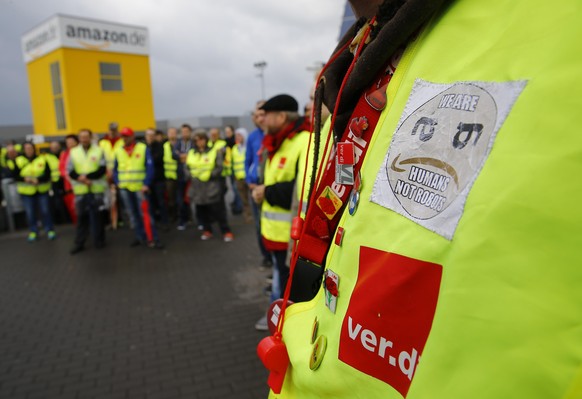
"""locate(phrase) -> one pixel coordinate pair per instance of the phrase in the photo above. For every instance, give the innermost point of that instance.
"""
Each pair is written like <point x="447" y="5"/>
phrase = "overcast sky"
<point x="202" y="52"/>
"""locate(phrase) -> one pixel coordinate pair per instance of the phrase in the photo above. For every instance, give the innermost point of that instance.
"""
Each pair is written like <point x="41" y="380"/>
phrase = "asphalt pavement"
<point x="123" y="322"/>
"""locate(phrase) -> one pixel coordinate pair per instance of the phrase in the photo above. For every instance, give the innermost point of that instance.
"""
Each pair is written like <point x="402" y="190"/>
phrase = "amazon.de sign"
<point x="72" y="32"/>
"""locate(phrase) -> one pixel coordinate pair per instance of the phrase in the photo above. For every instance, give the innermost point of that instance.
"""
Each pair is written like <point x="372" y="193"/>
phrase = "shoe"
<point x="181" y="227"/>
<point x="200" y="227"/>
<point x="269" y="279"/>
<point x="206" y="236"/>
<point x="76" y="249"/>
<point x="261" y="325"/>
<point x="155" y="245"/>
<point x="31" y="237"/>
<point x="51" y="235"/>
<point x="100" y="245"/>
<point x="135" y="243"/>
<point x="228" y="237"/>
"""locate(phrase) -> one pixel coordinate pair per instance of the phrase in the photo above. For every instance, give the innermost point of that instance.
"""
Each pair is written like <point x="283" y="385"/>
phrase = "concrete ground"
<point x="125" y="322"/>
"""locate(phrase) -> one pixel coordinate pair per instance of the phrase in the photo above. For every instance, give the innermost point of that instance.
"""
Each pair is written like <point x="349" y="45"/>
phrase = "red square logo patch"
<point x="389" y="316"/>
<point x="282" y="163"/>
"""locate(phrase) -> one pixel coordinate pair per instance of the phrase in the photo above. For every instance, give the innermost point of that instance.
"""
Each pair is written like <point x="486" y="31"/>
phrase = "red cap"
<point x="126" y="131"/>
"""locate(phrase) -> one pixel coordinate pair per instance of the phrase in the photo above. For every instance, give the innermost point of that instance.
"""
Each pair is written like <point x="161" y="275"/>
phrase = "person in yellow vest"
<point x="219" y="144"/>
<point x="238" y="170"/>
<point x="154" y="139"/>
<point x="57" y="191"/>
<point x="71" y="141"/>
<point x="87" y="172"/>
<point x="449" y="245"/>
<point x="206" y="189"/>
<point x="286" y="138"/>
<point x="175" y="179"/>
<point x="7" y="156"/>
<point x="133" y="173"/>
<point x="33" y="182"/>
<point x="110" y="143"/>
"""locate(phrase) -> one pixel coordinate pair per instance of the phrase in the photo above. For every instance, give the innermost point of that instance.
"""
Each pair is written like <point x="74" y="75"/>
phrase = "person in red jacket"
<point x="69" y="198"/>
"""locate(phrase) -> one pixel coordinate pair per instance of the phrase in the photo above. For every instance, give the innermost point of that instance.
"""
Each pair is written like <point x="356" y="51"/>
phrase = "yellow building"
<point x="85" y="73"/>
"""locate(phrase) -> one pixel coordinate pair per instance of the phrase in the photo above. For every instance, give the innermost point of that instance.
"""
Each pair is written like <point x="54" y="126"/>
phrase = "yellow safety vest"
<point x="4" y="161"/>
<point x="109" y="151"/>
<point x="3" y="158"/>
<point x="201" y="164"/>
<point x="131" y="170"/>
<point x="170" y="164"/>
<point x="227" y="162"/>
<point x="34" y="169"/>
<point x="505" y="316"/>
<point x="53" y="163"/>
<point x="85" y="162"/>
<point x="238" y="162"/>
<point x="283" y="167"/>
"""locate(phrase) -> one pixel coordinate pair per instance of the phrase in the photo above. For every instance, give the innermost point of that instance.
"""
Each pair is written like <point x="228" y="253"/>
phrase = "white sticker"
<point x="441" y="143"/>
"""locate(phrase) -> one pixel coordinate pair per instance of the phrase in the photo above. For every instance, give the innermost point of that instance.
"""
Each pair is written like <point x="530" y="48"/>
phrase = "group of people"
<point x="149" y="184"/>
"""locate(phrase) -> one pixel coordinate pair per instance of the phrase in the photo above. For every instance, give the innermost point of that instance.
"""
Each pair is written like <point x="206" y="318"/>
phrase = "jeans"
<point x="89" y="219"/>
<point x="237" y="204"/>
<point x="42" y="202"/>
<point x="177" y="207"/>
<point x="215" y="212"/>
<point x="280" y="274"/>
<point x="159" y="202"/>
<point x="133" y="202"/>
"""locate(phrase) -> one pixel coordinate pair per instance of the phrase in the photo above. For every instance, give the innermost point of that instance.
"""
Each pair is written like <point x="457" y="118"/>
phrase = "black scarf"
<point x="397" y="21"/>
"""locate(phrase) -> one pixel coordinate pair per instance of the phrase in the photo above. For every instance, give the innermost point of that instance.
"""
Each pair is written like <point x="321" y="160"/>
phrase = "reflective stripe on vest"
<point x="201" y="164"/>
<point x="170" y="164"/>
<point x="276" y="221"/>
<point x="34" y="169"/>
<point x="85" y="163"/>
<point x="131" y="170"/>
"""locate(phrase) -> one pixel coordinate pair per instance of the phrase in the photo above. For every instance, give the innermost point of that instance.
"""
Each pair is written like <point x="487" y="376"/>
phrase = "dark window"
<point x="110" y="76"/>
<point x="58" y="96"/>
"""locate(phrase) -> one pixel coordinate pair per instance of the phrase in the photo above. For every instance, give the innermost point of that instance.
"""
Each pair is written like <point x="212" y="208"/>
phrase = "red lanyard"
<point x="331" y="197"/>
<point x="327" y="201"/>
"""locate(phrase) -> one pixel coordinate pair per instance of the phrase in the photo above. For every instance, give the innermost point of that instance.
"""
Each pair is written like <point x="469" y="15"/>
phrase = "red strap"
<point x="319" y="228"/>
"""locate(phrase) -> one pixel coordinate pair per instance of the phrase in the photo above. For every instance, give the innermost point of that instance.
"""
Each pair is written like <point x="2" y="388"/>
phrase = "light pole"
<point x="261" y="65"/>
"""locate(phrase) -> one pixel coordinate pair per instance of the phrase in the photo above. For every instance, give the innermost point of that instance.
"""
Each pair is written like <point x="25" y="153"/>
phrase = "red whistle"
<point x="273" y="353"/>
<point x="296" y="227"/>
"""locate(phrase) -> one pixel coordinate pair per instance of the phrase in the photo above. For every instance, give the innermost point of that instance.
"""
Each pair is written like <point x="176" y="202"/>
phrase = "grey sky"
<point x="201" y="51"/>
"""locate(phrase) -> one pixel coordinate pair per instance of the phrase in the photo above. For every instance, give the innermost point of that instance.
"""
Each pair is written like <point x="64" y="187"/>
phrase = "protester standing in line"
<point x="158" y="187"/>
<point x="183" y="146"/>
<point x="239" y="151"/>
<point x="87" y="172"/>
<point x="133" y="173"/>
<point x="33" y="182"/>
<point x="174" y="174"/>
<point x="57" y="192"/>
<point x="110" y="143"/>
<point x="286" y="139"/>
<point x="254" y="175"/>
<point x="71" y="141"/>
<point x="206" y="189"/>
